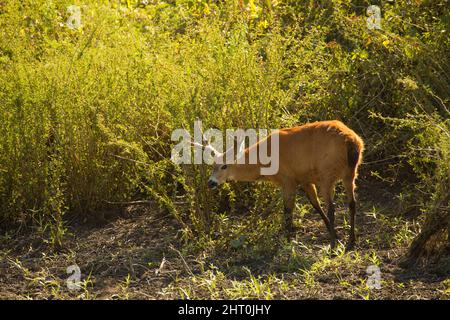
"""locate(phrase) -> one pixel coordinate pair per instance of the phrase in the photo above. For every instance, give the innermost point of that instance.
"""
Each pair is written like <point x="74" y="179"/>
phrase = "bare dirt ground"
<point x="141" y="254"/>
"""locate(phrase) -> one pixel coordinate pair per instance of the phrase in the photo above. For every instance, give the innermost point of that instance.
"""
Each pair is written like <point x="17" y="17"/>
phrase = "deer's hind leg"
<point x="311" y="192"/>
<point x="327" y="192"/>
<point x="349" y="185"/>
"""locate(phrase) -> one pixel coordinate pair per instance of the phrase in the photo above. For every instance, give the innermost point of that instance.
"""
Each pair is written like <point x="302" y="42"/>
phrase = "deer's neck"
<point x="245" y="172"/>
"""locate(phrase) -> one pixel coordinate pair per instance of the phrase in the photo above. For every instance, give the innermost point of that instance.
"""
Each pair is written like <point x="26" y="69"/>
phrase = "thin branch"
<point x="189" y="270"/>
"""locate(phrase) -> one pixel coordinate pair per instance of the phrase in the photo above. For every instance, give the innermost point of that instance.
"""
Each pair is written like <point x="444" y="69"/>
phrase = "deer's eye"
<point x="223" y="167"/>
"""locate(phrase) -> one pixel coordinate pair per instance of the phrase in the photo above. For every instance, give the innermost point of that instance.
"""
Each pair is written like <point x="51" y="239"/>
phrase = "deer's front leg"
<point x="289" y="203"/>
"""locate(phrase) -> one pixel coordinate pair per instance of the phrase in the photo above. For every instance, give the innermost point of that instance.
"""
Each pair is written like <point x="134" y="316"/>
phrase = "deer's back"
<point x="317" y="151"/>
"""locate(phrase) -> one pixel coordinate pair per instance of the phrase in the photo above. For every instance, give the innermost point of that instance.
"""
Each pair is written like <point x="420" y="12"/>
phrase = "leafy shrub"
<point x="87" y="113"/>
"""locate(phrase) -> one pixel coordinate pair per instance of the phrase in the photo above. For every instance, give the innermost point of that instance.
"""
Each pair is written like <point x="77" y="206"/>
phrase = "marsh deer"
<point x="313" y="155"/>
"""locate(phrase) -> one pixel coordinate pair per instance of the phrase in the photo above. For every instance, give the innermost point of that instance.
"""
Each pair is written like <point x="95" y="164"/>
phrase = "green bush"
<point x="87" y="113"/>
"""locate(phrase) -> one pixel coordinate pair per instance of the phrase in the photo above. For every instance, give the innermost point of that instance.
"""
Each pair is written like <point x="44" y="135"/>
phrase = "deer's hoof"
<point x="350" y="246"/>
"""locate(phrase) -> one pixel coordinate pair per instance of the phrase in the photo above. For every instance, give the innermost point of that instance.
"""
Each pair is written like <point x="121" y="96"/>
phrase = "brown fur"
<point x="314" y="155"/>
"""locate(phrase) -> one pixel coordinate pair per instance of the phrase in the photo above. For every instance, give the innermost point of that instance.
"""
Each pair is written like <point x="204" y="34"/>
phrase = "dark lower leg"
<point x="289" y="204"/>
<point x="352" y="237"/>
<point x="288" y="221"/>
<point x="322" y="214"/>
<point x="328" y="224"/>
<point x="330" y="214"/>
<point x="312" y="196"/>
<point x="349" y="185"/>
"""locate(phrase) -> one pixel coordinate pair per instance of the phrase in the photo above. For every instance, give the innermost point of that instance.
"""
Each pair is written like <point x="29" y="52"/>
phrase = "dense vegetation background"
<point x="87" y="113"/>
